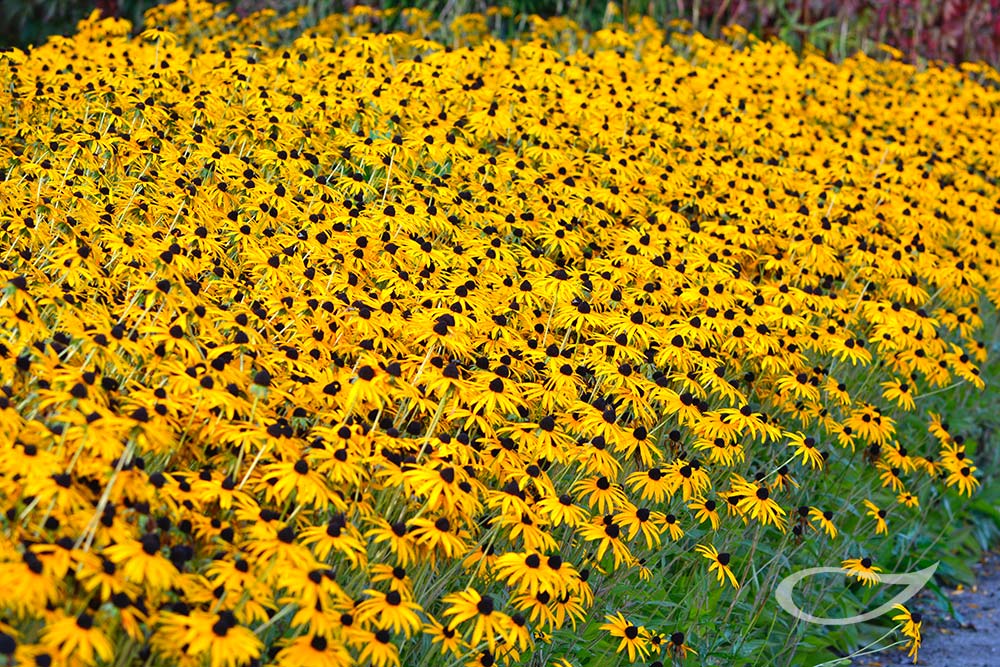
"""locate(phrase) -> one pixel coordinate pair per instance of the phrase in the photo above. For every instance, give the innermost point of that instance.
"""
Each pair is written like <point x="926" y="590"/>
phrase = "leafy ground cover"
<point x="335" y="347"/>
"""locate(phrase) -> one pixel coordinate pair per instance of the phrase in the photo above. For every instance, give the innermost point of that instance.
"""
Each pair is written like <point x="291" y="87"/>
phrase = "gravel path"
<point x="972" y="639"/>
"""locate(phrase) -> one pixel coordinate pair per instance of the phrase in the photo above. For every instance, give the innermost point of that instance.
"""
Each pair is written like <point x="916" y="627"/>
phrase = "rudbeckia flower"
<point x="911" y="623"/>
<point x="141" y="561"/>
<point x="77" y="636"/>
<point x="720" y="563"/>
<point x="489" y="624"/>
<point x="863" y="570"/>
<point x="634" y="639"/>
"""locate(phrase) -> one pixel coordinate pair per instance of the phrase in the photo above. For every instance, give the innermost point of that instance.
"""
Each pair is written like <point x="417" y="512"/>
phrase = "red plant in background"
<point x="947" y="30"/>
<point x="109" y="8"/>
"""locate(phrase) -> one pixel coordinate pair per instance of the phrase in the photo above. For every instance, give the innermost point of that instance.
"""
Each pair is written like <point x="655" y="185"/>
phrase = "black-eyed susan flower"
<point x="824" y="520"/>
<point x="337" y="536"/>
<point x="538" y="607"/>
<point x="963" y="478"/>
<point x="377" y="648"/>
<point x="634" y="640"/>
<point x="642" y="520"/>
<point x="313" y="650"/>
<point x="395" y="576"/>
<point x="705" y="509"/>
<point x="489" y="624"/>
<point x="391" y="611"/>
<point x="77" y="636"/>
<point x="527" y="572"/>
<point x="562" y="510"/>
<point x="878" y="515"/>
<point x="911" y="624"/>
<point x="447" y="637"/>
<point x="862" y="569"/>
<point x="142" y="561"/>
<point x="907" y="499"/>
<point x="653" y="484"/>
<point x="217" y="636"/>
<point x="757" y="503"/>
<point x="806" y="447"/>
<point x="296" y="477"/>
<point x="438" y="535"/>
<point x="719" y="563"/>
<point x="602" y="494"/>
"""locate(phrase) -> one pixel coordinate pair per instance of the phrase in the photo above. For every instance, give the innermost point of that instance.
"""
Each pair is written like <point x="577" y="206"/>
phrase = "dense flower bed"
<point x="431" y="348"/>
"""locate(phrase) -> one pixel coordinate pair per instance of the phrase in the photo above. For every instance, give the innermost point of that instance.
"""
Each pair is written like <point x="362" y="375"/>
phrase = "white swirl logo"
<point x="914" y="581"/>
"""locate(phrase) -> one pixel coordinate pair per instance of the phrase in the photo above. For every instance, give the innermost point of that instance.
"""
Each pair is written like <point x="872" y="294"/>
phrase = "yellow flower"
<point x="391" y="611"/>
<point x="642" y="520"/>
<point x="756" y="501"/>
<point x="806" y="447"/>
<point x="220" y="638"/>
<point x="489" y="623"/>
<point x="862" y="569"/>
<point x="634" y="640"/>
<point x="602" y="494"/>
<point x="653" y="484"/>
<point x="313" y="650"/>
<point x="720" y="563"/>
<point x="447" y="636"/>
<point x="439" y="535"/>
<point x="878" y="515"/>
<point x="911" y="623"/>
<point x="963" y="478"/>
<point x="900" y="392"/>
<point x="705" y="510"/>
<point x="379" y="650"/>
<point x="527" y="572"/>
<point x="608" y="535"/>
<point x="77" y="637"/>
<point x="824" y="519"/>
<point x="142" y="562"/>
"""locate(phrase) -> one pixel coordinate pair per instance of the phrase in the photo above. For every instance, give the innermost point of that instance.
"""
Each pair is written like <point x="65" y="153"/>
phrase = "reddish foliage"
<point x="109" y="8"/>
<point x="948" y="30"/>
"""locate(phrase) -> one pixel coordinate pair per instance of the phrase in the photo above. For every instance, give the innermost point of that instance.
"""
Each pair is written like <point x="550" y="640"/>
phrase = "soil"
<point x="969" y="639"/>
